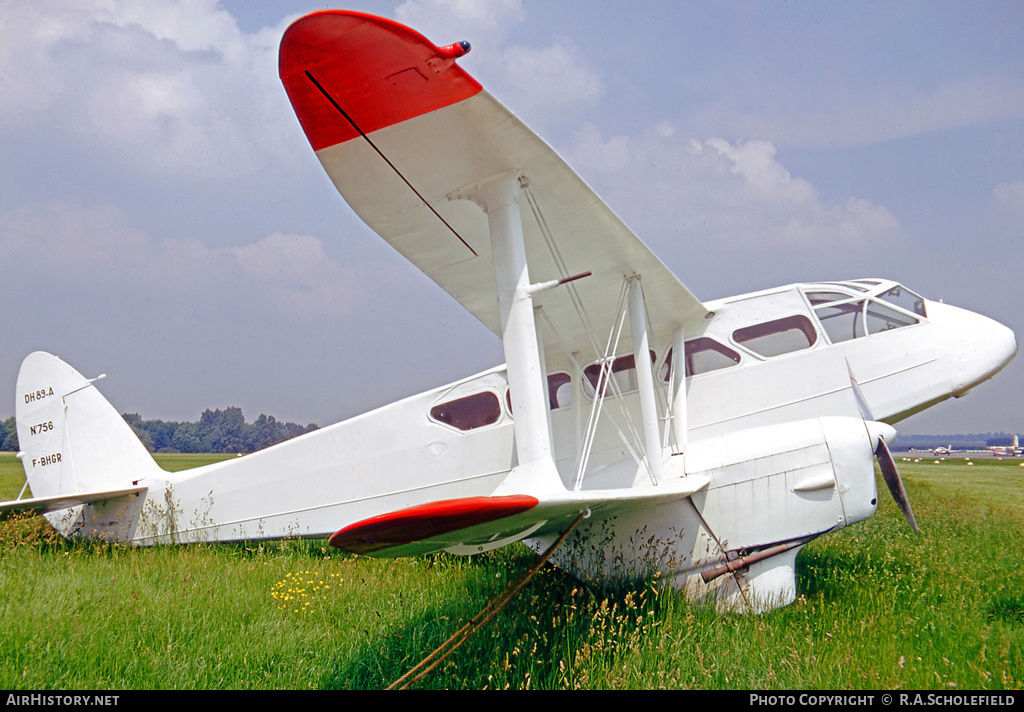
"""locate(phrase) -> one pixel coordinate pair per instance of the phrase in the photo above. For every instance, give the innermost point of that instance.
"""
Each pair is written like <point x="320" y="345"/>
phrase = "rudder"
<point x="71" y="438"/>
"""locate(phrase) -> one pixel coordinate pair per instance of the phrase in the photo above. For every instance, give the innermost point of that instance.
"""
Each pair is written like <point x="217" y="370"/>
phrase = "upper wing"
<point x="399" y="128"/>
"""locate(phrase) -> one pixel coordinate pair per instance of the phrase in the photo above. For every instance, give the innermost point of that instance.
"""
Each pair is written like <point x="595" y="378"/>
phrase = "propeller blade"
<point x="885" y="461"/>
<point x="892" y="479"/>
<point x="858" y="395"/>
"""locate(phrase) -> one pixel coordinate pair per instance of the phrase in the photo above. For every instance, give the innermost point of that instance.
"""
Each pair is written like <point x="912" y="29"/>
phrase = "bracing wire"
<point x="606" y="359"/>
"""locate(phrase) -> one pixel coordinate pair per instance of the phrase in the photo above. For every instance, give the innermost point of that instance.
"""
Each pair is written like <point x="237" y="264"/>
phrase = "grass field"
<point x="879" y="608"/>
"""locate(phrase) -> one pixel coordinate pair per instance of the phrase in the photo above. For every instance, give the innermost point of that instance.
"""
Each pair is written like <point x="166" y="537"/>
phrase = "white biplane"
<point x="705" y="441"/>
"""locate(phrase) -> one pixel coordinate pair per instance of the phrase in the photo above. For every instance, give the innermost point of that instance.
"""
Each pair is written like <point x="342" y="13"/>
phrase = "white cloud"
<point x="719" y="196"/>
<point x="843" y="115"/>
<point x="300" y="273"/>
<point x="120" y="78"/>
<point x="73" y="246"/>
<point x="763" y="178"/>
<point x="542" y="84"/>
<point x="68" y="241"/>
<point x="473" y="20"/>
<point x="190" y="24"/>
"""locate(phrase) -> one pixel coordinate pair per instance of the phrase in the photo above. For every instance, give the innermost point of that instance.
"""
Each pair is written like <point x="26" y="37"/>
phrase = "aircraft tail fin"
<point x="72" y="440"/>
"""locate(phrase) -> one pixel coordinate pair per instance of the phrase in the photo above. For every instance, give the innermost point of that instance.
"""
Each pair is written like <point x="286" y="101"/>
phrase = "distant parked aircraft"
<point x="1012" y="450"/>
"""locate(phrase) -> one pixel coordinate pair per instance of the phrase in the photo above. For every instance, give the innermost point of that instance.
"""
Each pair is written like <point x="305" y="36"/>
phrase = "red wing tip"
<point x="324" y="26"/>
<point x="424" y="521"/>
<point x="350" y="73"/>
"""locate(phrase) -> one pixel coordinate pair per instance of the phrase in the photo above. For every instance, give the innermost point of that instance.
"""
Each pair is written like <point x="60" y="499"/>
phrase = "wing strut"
<point x="498" y="197"/>
<point x="678" y="390"/>
<point x="645" y="380"/>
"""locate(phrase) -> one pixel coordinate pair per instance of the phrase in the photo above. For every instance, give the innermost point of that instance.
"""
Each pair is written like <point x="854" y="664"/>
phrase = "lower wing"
<point x="476" y="524"/>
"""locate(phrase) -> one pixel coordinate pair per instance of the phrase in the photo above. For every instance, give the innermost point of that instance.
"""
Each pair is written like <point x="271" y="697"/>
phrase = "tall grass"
<point x="878" y="608"/>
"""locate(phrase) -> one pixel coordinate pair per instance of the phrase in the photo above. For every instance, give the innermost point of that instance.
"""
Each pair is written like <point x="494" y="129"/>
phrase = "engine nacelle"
<point x="772" y="489"/>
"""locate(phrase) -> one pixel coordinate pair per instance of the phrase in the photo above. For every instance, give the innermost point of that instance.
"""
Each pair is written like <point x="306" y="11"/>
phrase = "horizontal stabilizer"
<point x="476" y="524"/>
<point x="44" y="505"/>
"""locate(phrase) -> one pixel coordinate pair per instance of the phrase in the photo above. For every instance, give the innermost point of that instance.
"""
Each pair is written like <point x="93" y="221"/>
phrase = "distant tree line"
<point x="8" y="436"/>
<point x="226" y="431"/>
<point x="216" y="431"/>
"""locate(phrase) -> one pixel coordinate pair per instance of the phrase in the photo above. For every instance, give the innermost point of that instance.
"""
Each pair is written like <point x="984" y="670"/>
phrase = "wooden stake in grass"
<point x="480" y="619"/>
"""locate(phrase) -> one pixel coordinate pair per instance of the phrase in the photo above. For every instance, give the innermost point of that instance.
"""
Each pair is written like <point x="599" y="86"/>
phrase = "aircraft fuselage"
<point x="781" y="389"/>
<point x="459" y="438"/>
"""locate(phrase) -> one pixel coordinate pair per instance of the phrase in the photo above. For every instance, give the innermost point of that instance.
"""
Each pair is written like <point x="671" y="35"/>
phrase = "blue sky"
<point x="164" y="221"/>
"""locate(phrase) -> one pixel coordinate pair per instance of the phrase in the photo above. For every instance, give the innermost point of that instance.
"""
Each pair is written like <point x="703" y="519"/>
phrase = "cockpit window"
<point x="703" y="355"/>
<point x="623" y="371"/>
<point x="854" y="319"/>
<point x="851" y="285"/>
<point x="468" y="413"/>
<point x="816" y="298"/>
<point x="842" y="322"/>
<point x="781" y="336"/>
<point x="882" y="318"/>
<point x="905" y="299"/>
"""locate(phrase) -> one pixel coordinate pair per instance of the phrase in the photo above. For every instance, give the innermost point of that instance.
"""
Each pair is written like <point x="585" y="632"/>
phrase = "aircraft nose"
<point x="1007" y="344"/>
<point x="979" y="346"/>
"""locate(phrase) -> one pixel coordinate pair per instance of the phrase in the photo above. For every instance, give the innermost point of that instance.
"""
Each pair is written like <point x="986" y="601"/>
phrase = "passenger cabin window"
<point x="623" y="370"/>
<point x="905" y="299"/>
<point x="781" y="336"/>
<point x="559" y="392"/>
<point x="468" y="413"/>
<point x="703" y="355"/>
